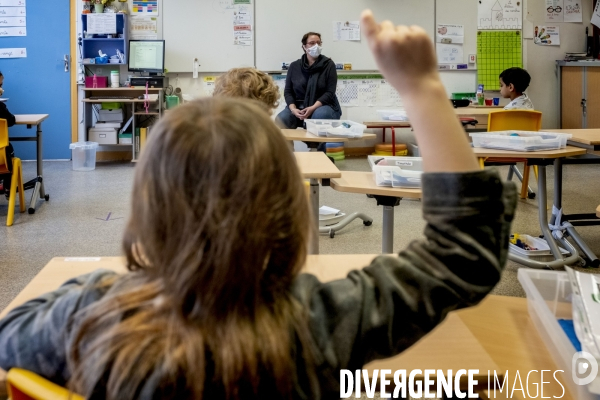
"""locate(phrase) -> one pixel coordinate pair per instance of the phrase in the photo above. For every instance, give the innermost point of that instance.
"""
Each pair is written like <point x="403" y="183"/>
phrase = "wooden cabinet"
<point x="579" y="99"/>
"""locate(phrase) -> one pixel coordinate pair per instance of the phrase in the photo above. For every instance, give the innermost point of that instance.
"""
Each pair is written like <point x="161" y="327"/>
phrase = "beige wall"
<point x="540" y="61"/>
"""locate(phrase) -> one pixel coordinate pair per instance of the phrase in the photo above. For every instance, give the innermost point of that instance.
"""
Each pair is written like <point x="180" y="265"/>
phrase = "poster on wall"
<point x="573" y="11"/>
<point x="12" y="3"/>
<point x="554" y="10"/>
<point x="147" y="7"/>
<point x="12" y="12"/>
<point x="13" y="53"/>
<point x="499" y="14"/>
<point x="596" y="15"/>
<point x="546" y="35"/>
<point x="449" y="33"/>
<point x="13" y="31"/>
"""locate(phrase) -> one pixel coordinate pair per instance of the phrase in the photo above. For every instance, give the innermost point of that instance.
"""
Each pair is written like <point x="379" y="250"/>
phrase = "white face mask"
<point x="315" y="51"/>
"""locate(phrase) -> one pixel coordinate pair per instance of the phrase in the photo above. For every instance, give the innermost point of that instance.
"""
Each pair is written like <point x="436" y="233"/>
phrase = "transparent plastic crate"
<point x="543" y="252"/>
<point x="84" y="155"/>
<point x="526" y="141"/>
<point x="335" y="128"/>
<point x="400" y="172"/>
<point x="548" y="300"/>
<point x="393" y="115"/>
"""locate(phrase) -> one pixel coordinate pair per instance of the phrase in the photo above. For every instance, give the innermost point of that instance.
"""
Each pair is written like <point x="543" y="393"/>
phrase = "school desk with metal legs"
<point x="543" y="159"/>
<point x="497" y="335"/>
<point x="363" y="182"/>
<point x="37" y="183"/>
<point x="588" y="139"/>
<point x="316" y="167"/>
<point x="313" y="141"/>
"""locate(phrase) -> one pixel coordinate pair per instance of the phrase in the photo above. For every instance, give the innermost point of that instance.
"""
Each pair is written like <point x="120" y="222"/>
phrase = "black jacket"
<point x="297" y="79"/>
<point x="5" y="114"/>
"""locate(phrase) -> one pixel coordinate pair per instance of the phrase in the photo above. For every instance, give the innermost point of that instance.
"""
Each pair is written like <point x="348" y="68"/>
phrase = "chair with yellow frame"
<point x="26" y="385"/>
<point x="17" y="175"/>
<point x="519" y="120"/>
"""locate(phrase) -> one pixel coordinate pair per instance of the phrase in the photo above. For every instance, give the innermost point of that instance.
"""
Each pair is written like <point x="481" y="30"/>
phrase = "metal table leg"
<point x="558" y="172"/>
<point x="313" y="247"/>
<point x="387" y="233"/>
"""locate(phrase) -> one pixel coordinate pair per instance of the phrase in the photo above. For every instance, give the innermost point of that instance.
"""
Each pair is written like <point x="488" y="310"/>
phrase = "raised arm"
<point x="406" y="59"/>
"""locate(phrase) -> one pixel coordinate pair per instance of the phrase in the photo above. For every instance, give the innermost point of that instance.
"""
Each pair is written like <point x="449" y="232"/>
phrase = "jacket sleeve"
<point x="328" y="97"/>
<point x="288" y="92"/>
<point x="35" y="335"/>
<point x="383" y="309"/>
<point x="5" y="114"/>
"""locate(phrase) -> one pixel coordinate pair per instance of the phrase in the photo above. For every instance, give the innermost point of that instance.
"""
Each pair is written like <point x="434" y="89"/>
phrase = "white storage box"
<point x="103" y="136"/>
<point x="520" y="140"/>
<point x="393" y="115"/>
<point x="115" y="115"/>
<point x="400" y="172"/>
<point x="548" y="300"/>
<point x="543" y="252"/>
<point x="335" y="128"/>
<point x="84" y="155"/>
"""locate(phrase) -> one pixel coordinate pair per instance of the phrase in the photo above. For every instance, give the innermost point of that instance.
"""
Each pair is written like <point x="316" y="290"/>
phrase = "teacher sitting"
<point x="310" y="87"/>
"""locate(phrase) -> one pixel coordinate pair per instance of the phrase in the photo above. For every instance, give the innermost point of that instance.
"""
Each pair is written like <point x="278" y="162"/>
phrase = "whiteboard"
<point x="280" y="25"/>
<point x="202" y="29"/>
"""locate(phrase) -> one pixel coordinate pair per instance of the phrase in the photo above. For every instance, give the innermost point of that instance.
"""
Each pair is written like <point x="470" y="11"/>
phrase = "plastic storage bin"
<point x="335" y="128"/>
<point x="393" y="115"/>
<point x="525" y="141"/>
<point x="400" y="172"/>
<point x="542" y="253"/>
<point x="548" y="300"/>
<point x="84" y="155"/>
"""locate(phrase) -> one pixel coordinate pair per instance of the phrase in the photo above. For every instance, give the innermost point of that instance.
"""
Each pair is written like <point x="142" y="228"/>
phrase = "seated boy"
<point x="513" y="82"/>
<point x="10" y="119"/>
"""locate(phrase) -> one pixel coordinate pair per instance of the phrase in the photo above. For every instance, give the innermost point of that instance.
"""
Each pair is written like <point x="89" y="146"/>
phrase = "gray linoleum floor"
<point x="74" y="221"/>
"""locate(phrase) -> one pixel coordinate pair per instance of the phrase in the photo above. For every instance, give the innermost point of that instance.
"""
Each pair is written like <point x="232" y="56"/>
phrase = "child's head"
<point x="218" y="231"/>
<point x="248" y="83"/>
<point x="1" y="83"/>
<point x="514" y="81"/>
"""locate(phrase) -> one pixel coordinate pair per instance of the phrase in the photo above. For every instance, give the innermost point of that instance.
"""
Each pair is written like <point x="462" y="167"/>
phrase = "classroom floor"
<point x="87" y="213"/>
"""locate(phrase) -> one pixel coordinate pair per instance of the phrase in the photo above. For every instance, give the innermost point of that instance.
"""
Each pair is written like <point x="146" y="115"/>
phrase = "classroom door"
<point x="38" y="84"/>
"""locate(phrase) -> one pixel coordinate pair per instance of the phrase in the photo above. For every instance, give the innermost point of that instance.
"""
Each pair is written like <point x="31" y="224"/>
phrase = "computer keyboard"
<point x="111" y="98"/>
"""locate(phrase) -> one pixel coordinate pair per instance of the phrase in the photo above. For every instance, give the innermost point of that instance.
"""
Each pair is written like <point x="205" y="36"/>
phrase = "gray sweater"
<point x="373" y="313"/>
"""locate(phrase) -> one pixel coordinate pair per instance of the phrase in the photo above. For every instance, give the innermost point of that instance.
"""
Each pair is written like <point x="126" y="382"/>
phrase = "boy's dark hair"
<point x="518" y="77"/>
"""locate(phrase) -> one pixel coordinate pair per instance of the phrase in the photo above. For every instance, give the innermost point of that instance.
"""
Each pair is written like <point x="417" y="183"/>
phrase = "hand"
<point x="404" y="54"/>
<point x="1" y="91"/>
<point x="298" y="113"/>
<point x="308" y="111"/>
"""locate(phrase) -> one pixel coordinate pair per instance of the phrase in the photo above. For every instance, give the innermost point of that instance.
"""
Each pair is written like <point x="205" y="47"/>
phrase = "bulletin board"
<point x="497" y="51"/>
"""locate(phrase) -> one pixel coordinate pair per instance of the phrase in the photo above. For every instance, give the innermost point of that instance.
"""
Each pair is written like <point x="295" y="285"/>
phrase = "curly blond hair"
<point x="248" y="83"/>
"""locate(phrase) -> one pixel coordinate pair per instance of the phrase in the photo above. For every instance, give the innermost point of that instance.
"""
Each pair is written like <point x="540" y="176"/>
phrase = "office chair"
<point x="17" y="175"/>
<point x="26" y="385"/>
<point x="520" y="120"/>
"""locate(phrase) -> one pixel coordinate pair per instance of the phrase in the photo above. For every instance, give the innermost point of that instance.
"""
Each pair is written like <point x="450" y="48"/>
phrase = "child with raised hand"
<point x="215" y="306"/>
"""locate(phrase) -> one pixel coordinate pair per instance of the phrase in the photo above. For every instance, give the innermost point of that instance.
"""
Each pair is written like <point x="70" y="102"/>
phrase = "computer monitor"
<point x="146" y="56"/>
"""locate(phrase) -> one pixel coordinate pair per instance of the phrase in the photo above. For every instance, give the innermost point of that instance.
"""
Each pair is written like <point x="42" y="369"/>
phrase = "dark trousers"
<point x="6" y="178"/>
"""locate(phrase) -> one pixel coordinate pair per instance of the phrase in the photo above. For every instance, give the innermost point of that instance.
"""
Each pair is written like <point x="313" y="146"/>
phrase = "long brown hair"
<point x="217" y="233"/>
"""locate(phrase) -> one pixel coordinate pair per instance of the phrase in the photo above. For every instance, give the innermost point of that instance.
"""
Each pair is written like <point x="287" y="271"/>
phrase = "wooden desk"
<point x="316" y="166"/>
<point x="568" y="151"/>
<point x="496" y="335"/>
<point x="37" y="183"/>
<point x="364" y="182"/>
<point x="586" y="138"/>
<point x="313" y="141"/>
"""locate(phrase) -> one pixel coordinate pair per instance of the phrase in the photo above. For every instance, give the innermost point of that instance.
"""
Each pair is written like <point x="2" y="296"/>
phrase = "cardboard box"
<point x="103" y="136"/>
